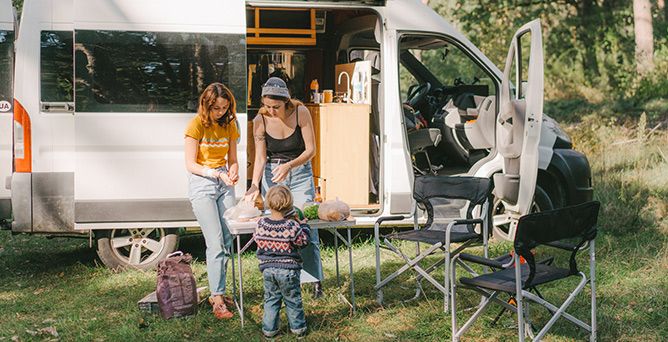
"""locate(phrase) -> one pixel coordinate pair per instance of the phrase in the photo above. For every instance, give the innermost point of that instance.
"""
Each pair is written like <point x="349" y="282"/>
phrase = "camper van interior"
<point x="337" y="50"/>
<point x="448" y="111"/>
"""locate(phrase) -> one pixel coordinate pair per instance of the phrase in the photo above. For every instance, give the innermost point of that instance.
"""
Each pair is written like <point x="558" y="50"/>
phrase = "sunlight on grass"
<point x="59" y="283"/>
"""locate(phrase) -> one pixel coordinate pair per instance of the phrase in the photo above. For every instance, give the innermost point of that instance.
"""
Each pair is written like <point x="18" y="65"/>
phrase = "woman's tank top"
<point x="285" y="149"/>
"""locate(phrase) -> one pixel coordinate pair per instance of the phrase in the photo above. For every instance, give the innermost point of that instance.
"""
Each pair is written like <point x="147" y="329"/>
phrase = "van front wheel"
<point x="501" y="222"/>
<point x="140" y="248"/>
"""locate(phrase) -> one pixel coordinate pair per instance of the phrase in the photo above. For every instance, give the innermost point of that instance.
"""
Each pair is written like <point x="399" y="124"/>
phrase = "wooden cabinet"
<point x="341" y="162"/>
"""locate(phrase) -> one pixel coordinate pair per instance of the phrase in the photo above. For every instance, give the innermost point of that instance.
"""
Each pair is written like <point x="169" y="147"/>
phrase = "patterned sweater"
<point x="278" y="243"/>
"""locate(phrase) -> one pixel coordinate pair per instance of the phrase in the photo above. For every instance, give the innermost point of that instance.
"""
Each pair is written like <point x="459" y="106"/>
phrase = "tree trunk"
<point x="587" y="15"/>
<point x="642" y="23"/>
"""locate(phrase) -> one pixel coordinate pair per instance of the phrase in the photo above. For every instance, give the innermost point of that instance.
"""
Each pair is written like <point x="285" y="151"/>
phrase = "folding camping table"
<point x="239" y="228"/>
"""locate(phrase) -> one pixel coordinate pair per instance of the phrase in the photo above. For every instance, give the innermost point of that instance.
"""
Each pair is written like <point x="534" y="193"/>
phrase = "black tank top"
<point x="285" y="149"/>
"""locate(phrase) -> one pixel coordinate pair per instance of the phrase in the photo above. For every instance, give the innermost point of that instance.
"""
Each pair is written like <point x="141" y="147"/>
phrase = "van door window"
<point x="56" y="65"/>
<point x="6" y="53"/>
<point x="121" y="71"/>
<point x="450" y="73"/>
<point x="443" y="87"/>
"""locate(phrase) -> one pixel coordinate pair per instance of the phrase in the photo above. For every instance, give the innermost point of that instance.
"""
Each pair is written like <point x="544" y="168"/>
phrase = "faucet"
<point x="346" y="97"/>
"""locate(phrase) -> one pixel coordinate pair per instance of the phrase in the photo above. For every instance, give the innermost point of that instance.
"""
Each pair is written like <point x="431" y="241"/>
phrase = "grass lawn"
<point x="57" y="286"/>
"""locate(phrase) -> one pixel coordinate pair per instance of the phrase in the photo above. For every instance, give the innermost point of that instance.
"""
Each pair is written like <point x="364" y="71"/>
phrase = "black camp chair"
<point x="549" y="228"/>
<point x="432" y="193"/>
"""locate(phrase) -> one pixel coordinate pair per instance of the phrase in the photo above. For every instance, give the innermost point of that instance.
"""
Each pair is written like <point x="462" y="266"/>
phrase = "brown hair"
<point x="290" y="104"/>
<point x="279" y="198"/>
<point x="209" y="97"/>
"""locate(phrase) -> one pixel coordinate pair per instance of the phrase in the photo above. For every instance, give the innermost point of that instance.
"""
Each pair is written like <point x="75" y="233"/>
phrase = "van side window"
<point x="56" y="65"/>
<point x="123" y="71"/>
<point x="6" y="53"/>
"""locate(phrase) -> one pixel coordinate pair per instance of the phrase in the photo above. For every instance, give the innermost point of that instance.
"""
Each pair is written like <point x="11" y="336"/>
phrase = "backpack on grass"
<point x="176" y="288"/>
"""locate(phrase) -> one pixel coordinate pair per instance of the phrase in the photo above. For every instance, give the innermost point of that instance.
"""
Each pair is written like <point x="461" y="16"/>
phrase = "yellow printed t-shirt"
<point x="213" y="141"/>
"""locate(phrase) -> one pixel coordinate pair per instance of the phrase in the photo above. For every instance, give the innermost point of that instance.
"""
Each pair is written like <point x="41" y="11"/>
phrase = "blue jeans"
<point x="210" y="198"/>
<point x="300" y="183"/>
<point x="282" y="285"/>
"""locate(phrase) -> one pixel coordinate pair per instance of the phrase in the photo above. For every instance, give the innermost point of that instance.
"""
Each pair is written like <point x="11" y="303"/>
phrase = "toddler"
<point x="278" y="239"/>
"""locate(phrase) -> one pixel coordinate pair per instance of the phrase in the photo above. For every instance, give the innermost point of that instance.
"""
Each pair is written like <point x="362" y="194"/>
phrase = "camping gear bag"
<point x="176" y="288"/>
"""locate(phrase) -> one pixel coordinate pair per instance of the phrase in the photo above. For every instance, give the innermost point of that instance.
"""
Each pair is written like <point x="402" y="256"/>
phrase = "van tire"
<point x="541" y="202"/>
<point x="153" y="244"/>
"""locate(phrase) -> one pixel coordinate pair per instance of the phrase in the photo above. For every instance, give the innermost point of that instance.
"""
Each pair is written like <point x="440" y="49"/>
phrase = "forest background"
<point x="604" y="56"/>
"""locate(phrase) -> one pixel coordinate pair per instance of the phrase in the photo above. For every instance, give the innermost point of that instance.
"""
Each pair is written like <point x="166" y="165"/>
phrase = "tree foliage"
<point x="589" y="44"/>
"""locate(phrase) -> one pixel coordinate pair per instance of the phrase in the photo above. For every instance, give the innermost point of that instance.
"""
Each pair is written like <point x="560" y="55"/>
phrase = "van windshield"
<point x="6" y="52"/>
<point x="122" y="71"/>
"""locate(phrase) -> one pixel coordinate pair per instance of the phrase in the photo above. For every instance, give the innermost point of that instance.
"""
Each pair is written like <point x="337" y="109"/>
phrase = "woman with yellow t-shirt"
<point x="211" y="160"/>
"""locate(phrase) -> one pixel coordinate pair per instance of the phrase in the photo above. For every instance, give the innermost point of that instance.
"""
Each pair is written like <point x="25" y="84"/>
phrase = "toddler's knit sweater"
<point x="278" y="242"/>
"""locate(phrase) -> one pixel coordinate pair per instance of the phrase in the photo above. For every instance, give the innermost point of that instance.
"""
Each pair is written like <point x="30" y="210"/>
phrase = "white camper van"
<point x="6" y="105"/>
<point x="105" y="88"/>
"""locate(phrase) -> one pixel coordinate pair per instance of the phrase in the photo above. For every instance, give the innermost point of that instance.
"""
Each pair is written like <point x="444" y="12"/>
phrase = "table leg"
<point x="350" y="266"/>
<point x="336" y="255"/>
<point x="241" y="283"/>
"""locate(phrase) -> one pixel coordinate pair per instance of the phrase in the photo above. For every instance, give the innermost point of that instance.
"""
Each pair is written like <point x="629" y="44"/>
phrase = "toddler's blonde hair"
<point x="279" y="198"/>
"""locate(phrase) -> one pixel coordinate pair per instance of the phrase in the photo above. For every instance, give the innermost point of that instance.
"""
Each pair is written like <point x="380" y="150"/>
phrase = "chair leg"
<point x="592" y="284"/>
<point x="411" y="264"/>
<point x="518" y="298"/>
<point x="379" y="292"/>
<point x="561" y="311"/>
<point x="446" y="279"/>
<point x="453" y="304"/>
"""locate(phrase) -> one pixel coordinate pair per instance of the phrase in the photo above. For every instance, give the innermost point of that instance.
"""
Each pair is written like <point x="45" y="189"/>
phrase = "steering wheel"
<point x="417" y="94"/>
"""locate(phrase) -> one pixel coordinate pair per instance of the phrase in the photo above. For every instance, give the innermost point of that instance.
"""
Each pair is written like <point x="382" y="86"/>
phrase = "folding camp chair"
<point x="433" y="192"/>
<point x="549" y="228"/>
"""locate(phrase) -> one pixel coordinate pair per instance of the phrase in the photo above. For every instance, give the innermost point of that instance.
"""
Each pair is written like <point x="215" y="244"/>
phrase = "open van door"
<point x="139" y="68"/>
<point x="518" y="125"/>
<point x="6" y="103"/>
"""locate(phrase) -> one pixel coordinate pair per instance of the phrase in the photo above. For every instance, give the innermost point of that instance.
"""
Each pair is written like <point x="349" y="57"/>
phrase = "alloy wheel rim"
<point x="137" y="246"/>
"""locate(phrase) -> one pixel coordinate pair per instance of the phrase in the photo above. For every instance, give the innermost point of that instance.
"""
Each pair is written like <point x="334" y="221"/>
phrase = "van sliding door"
<point x="139" y="69"/>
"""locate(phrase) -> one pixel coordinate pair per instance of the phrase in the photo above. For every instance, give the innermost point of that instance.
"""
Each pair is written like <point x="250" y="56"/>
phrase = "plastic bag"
<point x="244" y="210"/>
<point x="333" y="210"/>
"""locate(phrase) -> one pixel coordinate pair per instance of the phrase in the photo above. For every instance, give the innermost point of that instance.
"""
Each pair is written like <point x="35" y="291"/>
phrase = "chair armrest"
<point x="382" y="219"/>
<point x="481" y="260"/>
<point x="561" y="245"/>
<point x="467" y="221"/>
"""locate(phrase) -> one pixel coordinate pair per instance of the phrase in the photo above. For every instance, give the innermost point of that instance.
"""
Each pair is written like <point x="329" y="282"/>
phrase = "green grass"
<point x="59" y="283"/>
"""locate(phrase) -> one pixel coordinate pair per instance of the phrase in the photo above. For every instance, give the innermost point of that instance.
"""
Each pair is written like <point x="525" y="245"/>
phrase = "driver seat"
<point x="418" y="142"/>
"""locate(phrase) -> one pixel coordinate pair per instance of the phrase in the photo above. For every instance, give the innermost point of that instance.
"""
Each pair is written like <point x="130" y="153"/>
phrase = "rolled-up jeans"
<point x="210" y="197"/>
<point x="282" y="286"/>
<point x="300" y="183"/>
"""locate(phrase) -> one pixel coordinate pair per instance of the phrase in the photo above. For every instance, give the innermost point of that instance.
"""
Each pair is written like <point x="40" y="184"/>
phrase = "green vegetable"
<point x="299" y="212"/>
<point x="311" y="212"/>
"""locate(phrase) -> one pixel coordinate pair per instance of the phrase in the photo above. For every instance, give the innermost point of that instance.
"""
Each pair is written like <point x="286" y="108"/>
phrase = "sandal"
<point x="220" y="310"/>
<point x="228" y="301"/>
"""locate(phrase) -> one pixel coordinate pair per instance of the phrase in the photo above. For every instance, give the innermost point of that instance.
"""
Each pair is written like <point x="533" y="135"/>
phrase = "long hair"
<point x="290" y="104"/>
<point x="208" y="98"/>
